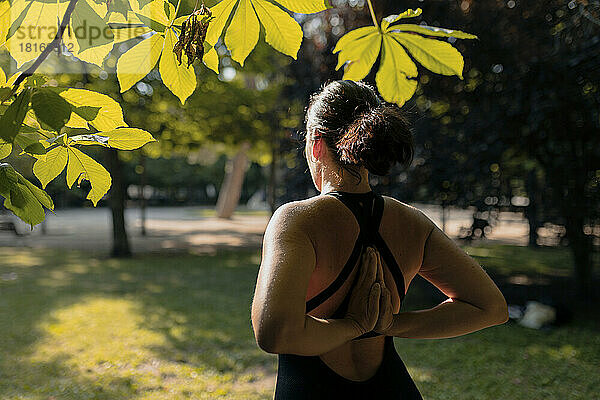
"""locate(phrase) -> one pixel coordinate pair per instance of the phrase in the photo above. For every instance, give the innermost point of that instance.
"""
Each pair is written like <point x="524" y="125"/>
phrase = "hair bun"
<point x="377" y="139"/>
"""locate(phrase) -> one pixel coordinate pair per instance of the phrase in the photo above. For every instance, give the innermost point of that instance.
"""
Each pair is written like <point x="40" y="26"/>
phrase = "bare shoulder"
<point x="409" y="214"/>
<point x="300" y="215"/>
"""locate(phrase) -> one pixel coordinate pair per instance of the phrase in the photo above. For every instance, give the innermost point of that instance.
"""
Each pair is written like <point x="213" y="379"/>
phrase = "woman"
<point x="335" y="267"/>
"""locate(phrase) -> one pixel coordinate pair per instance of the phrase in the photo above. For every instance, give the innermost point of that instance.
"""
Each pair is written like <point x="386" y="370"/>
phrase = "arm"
<point x="474" y="301"/>
<point x="279" y="317"/>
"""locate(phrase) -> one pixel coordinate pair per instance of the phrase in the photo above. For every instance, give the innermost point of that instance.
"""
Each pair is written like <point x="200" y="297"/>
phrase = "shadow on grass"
<point x="191" y="322"/>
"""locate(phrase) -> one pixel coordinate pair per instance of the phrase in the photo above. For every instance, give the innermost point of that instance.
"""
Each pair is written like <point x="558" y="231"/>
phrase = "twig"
<point x="373" y="14"/>
<point x="175" y="15"/>
<point x="44" y="54"/>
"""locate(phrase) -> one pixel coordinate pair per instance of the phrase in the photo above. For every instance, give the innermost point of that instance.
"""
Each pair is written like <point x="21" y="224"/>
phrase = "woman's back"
<point x="334" y="232"/>
<point x="330" y="313"/>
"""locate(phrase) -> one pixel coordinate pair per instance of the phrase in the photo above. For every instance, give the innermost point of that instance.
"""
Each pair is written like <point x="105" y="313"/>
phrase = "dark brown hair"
<point x="359" y="128"/>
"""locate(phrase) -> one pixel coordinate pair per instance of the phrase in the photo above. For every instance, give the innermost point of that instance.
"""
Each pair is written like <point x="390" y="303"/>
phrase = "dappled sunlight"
<point x="178" y="326"/>
<point x="18" y="258"/>
<point x="565" y="352"/>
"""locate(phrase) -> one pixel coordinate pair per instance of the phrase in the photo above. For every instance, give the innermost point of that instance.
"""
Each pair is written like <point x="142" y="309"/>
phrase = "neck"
<point x="345" y="182"/>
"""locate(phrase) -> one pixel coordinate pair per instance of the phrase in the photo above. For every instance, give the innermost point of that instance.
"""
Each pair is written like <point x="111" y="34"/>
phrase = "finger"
<point x="379" y="269"/>
<point x="364" y="266"/>
<point x="372" y="268"/>
<point x="373" y="307"/>
<point x="386" y="298"/>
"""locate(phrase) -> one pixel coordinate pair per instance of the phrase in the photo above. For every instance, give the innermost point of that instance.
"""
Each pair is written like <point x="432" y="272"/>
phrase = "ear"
<point x="317" y="148"/>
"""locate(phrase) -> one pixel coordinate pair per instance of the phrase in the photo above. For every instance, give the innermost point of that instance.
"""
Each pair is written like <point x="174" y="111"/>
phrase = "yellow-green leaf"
<point x="211" y="59"/>
<point x="5" y="149"/>
<point x="110" y="115"/>
<point x="5" y="21"/>
<point x="122" y="138"/>
<point x="25" y="44"/>
<point x="179" y="79"/>
<point x="242" y="35"/>
<point x="355" y="34"/>
<point x="80" y="166"/>
<point x="22" y="197"/>
<point x="38" y="193"/>
<point x="434" y="31"/>
<point x="361" y="55"/>
<point x="220" y="13"/>
<point x="138" y="61"/>
<point x="305" y="6"/>
<point x="391" y="79"/>
<point x="282" y="32"/>
<point x="390" y="19"/>
<point x="49" y="166"/>
<point x="435" y="55"/>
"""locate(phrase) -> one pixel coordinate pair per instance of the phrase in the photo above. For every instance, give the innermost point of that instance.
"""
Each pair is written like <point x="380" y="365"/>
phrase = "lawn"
<point x="177" y="326"/>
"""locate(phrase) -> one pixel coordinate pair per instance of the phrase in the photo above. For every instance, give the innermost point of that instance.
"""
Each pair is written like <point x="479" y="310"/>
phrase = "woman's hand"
<point x="363" y="307"/>
<point x="386" y="313"/>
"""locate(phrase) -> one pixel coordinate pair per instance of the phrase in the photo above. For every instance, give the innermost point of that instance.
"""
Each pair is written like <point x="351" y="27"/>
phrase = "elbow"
<point x="267" y="343"/>
<point x="273" y="338"/>
<point x="499" y="311"/>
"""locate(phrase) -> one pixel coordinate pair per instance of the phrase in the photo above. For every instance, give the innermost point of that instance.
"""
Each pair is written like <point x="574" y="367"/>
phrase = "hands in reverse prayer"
<point x="370" y="305"/>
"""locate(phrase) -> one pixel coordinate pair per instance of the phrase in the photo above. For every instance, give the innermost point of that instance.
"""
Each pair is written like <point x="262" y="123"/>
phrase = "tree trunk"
<point x="120" y="244"/>
<point x="531" y="211"/>
<point x="235" y="171"/>
<point x="581" y="248"/>
<point x="142" y="196"/>
<point x="272" y="185"/>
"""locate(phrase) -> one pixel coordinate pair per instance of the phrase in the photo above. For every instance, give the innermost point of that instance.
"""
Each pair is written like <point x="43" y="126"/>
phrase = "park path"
<point x="197" y="230"/>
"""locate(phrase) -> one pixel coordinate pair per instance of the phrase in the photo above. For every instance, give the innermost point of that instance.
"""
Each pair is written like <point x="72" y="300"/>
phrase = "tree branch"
<point x="44" y="54"/>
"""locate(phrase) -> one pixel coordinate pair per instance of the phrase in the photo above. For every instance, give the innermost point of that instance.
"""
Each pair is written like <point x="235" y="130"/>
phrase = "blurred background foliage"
<point x="520" y="132"/>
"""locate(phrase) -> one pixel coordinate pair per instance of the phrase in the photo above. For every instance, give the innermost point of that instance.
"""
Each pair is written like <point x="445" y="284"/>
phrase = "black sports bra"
<point x="368" y="210"/>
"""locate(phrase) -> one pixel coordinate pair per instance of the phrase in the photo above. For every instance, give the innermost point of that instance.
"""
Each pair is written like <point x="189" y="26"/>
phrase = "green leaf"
<point x="138" y="61"/>
<point x="153" y="14"/>
<point x="13" y="117"/>
<point x="110" y="115"/>
<point x="86" y="112"/>
<point x="242" y="35"/>
<point x="85" y="22"/>
<point x="29" y="139"/>
<point x="392" y="82"/>
<point x="221" y="13"/>
<point x="434" y="31"/>
<point x="282" y="32"/>
<point x="179" y="79"/>
<point x="38" y="193"/>
<point x="80" y="166"/>
<point x="122" y="138"/>
<point x="48" y="167"/>
<point x="50" y="108"/>
<point x="18" y="22"/>
<point x="119" y="6"/>
<point x="305" y="6"/>
<point x="390" y="19"/>
<point x="435" y="55"/>
<point x="5" y="149"/>
<point x="22" y="197"/>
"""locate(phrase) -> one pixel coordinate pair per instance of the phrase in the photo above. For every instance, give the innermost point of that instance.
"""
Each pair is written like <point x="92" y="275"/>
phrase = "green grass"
<point x="511" y="260"/>
<point x="177" y="326"/>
